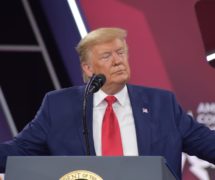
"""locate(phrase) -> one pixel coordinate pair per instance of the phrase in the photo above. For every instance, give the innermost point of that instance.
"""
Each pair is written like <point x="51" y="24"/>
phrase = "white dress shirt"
<point x="123" y="111"/>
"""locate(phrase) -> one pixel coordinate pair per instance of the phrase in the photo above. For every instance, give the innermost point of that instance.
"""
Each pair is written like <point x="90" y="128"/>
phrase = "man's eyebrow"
<point x="121" y="48"/>
<point x="105" y="52"/>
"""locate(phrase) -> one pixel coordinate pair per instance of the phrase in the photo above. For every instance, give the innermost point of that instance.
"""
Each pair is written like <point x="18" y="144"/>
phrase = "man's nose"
<point x="116" y="58"/>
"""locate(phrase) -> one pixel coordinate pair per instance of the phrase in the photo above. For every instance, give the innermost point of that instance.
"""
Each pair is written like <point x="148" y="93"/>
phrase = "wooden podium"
<point x="87" y="168"/>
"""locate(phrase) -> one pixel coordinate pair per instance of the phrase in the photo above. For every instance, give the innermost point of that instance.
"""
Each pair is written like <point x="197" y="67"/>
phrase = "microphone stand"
<point x="84" y="120"/>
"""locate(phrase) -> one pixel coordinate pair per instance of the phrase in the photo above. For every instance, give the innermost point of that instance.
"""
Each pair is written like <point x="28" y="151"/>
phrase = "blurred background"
<point x="171" y="46"/>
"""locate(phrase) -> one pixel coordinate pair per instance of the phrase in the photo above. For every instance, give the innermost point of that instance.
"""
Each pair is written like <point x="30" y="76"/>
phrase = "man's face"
<point x="110" y="59"/>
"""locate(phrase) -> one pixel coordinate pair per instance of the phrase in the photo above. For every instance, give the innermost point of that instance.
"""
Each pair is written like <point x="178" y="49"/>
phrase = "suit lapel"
<point x="142" y="118"/>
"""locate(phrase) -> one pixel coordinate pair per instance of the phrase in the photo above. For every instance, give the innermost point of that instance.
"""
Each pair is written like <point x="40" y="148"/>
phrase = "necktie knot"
<point x="110" y="100"/>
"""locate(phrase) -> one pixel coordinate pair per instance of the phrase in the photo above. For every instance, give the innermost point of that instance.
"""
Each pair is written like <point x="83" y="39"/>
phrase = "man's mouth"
<point x="119" y="72"/>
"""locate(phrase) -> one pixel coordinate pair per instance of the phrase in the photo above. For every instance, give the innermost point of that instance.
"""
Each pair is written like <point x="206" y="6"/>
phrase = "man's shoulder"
<point x="74" y="91"/>
<point x="149" y="90"/>
<point x="150" y="94"/>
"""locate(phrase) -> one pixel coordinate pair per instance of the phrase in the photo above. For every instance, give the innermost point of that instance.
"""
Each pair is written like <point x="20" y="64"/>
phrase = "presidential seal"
<point x="81" y="175"/>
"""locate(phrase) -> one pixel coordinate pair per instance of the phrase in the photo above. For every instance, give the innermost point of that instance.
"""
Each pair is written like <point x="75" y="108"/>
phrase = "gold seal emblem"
<point x="81" y="175"/>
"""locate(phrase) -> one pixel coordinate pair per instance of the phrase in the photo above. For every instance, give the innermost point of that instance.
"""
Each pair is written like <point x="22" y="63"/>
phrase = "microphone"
<point x="94" y="84"/>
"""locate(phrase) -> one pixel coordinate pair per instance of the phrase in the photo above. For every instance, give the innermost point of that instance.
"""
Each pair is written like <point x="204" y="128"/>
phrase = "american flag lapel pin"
<point x="145" y="110"/>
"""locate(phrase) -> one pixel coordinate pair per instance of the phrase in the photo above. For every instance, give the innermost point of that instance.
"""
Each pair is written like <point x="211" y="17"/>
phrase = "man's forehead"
<point x="109" y="46"/>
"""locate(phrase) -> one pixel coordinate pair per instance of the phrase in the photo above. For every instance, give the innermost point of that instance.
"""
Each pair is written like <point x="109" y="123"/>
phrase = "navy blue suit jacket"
<point x="162" y="128"/>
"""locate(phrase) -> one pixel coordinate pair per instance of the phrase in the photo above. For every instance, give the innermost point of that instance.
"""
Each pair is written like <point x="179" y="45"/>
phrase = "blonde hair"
<point x="95" y="37"/>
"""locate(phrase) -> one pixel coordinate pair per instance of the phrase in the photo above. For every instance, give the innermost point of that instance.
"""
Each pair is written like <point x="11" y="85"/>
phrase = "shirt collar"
<point x="99" y="96"/>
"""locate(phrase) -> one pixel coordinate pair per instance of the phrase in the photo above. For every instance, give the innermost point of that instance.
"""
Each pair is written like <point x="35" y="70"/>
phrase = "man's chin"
<point x="121" y="80"/>
<point x="120" y="77"/>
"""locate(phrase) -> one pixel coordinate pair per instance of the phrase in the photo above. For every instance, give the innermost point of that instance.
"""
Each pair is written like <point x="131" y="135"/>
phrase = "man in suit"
<point x="146" y="121"/>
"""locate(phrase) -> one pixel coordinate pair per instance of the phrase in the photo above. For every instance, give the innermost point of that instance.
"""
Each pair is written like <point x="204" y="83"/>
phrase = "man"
<point x="146" y="121"/>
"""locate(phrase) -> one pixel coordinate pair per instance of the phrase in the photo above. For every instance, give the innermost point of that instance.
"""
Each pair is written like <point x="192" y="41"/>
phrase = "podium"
<point x="87" y="168"/>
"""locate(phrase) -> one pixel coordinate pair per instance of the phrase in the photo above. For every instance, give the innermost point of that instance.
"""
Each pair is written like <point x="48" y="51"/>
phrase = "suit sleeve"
<point x="32" y="140"/>
<point x="197" y="139"/>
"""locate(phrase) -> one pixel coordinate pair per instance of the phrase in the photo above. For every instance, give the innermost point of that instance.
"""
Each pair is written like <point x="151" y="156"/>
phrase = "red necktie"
<point x="111" y="138"/>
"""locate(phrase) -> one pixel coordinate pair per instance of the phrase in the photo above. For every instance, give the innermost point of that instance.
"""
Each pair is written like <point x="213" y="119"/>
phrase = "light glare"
<point x="210" y="57"/>
<point x="78" y="19"/>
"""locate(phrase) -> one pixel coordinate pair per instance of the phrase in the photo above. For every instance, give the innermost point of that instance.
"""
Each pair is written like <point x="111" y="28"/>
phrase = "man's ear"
<point x="87" y="69"/>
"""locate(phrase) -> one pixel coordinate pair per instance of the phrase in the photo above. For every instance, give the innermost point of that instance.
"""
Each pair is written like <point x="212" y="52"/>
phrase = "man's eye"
<point x="106" y="56"/>
<point x="121" y="52"/>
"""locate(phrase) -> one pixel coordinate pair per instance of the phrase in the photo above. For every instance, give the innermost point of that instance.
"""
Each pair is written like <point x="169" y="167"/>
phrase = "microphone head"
<point x="97" y="83"/>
